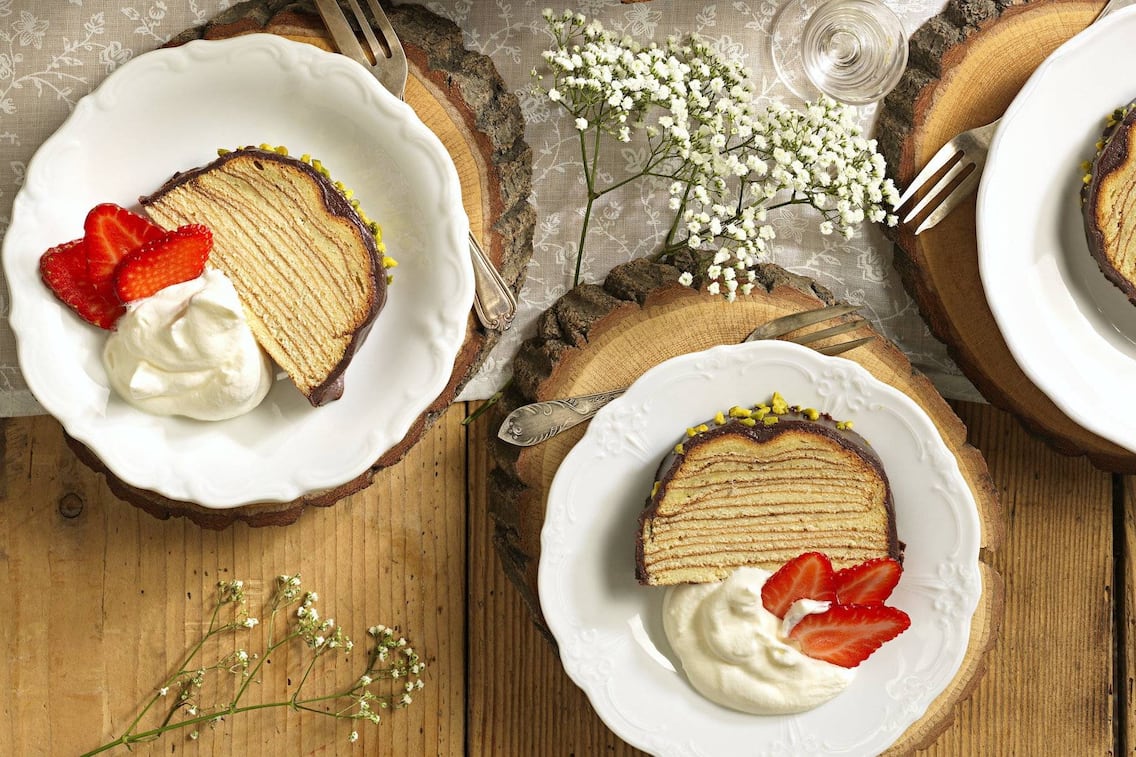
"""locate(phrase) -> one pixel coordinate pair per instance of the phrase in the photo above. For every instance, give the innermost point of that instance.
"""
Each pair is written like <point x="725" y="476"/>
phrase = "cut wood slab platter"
<point x="597" y="338"/>
<point x="458" y="94"/>
<point x="966" y="66"/>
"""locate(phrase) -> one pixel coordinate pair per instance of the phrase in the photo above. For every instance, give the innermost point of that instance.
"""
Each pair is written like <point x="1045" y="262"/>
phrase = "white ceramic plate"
<point x="170" y="110"/>
<point x="1071" y="331"/>
<point x="609" y="628"/>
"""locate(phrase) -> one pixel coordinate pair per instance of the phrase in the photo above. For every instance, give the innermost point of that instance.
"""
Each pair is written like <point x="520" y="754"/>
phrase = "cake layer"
<point x="305" y="264"/>
<point x="758" y="495"/>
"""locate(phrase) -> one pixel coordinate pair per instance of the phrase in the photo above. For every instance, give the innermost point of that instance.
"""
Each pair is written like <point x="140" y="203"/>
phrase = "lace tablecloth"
<point x="53" y="53"/>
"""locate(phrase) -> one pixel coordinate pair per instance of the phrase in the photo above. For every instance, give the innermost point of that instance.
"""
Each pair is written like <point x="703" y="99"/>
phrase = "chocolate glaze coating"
<point x="333" y="200"/>
<point x="1111" y="157"/>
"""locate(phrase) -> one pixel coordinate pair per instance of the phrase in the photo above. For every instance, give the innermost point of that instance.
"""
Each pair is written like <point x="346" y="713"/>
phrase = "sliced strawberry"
<point x="807" y="576"/>
<point x="111" y="232"/>
<point x="178" y="256"/>
<point x="64" y="269"/>
<point x="868" y="583"/>
<point x="846" y="635"/>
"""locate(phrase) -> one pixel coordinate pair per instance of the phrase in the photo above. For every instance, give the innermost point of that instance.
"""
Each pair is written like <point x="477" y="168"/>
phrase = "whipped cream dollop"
<point x="188" y="350"/>
<point x="736" y="653"/>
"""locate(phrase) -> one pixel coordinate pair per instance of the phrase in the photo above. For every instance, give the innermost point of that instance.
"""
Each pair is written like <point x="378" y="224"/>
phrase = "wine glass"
<point x="854" y="51"/>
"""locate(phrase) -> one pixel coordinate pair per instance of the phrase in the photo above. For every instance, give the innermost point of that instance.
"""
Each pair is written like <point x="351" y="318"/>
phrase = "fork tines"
<point x="388" y="46"/>
<point x="952" y="174"/>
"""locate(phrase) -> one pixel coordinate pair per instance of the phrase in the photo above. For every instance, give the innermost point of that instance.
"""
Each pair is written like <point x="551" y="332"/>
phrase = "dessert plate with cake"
<point x="672" y="524"/>
<point x="1055" y="241"/>
<point x="296" y="232"/>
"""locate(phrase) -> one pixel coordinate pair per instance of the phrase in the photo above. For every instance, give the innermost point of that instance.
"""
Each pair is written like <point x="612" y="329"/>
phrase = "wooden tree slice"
<point x="462" y="98"/>
<point x="597" y="338"/>
<point x="966" y="66"/>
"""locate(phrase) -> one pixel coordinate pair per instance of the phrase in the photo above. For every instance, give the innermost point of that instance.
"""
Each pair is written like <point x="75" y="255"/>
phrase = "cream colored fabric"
<point x="52" y="52"/>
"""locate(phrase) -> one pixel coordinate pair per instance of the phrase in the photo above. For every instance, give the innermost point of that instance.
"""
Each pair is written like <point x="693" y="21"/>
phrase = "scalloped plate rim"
<point x="285" y="65"/>
<point x="652" y="731"/>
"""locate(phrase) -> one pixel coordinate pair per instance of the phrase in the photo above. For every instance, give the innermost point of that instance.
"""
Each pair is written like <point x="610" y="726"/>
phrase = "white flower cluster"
<point x="727" y="162"/>
<point x="320" y="634"/>
<point x="404" y="663"/>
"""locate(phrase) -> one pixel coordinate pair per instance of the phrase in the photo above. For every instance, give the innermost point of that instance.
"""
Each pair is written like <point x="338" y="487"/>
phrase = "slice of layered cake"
<point x="1109" y="203"/>
<point x="306" y="264"/>
<point x="759" y="486"/>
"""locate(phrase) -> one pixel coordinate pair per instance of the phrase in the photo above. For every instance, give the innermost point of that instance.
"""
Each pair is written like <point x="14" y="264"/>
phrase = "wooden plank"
<point x="1126" y="693"/>
<point x="520" y="700"/>
<point x="98" y="607"/>
<point x="1048" y="687"/>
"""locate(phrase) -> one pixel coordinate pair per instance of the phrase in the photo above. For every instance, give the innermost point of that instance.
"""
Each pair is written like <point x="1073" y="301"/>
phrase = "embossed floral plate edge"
<point x="608" y="627"/>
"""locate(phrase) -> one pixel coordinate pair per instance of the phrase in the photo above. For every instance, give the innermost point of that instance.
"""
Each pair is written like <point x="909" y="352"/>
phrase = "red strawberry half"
<point x="177" y="256"/>
<point x="807" y="576"/>
<point x="64" y="270"/>
<point x="846" y="635"/>
<point x="868" y="583"/>
<point x="110" y="233"/>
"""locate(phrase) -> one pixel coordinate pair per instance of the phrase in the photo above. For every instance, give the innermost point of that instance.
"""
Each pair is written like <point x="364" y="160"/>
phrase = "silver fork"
<point x="493" y="300"/>
<point x="534" y="423"/>
<point x="958" y="155"/>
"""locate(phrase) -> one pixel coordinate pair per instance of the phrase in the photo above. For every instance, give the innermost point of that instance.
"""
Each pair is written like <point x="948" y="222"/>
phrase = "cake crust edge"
<point x="1113" y="156"/>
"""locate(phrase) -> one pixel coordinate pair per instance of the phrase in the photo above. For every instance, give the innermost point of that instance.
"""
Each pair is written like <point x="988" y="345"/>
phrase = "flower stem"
<point x="583" y="234"/>
<point x="128" y="739"/>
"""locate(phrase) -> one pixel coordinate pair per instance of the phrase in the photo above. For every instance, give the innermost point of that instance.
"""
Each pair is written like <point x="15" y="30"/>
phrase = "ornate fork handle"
<point x="493" y="300"/>
<point x="534" y="423"/>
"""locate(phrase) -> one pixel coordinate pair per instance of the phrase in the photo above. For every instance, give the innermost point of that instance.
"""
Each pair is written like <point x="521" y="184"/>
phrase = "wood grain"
<point x="1054" y="655"/>
<point x="966" y="65"/>
<point x="461" y="97"/>
<point x="601" y="338"/>
<point x="521" y="700"/>
<point x="99" y="606"/>
<point x="1125" y="643"/>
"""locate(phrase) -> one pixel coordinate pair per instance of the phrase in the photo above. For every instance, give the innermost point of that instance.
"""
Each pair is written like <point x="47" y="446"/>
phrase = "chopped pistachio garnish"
<point x="780" y="406"/>
<point x="348" y="195"/>
<point x="767" y="414"/>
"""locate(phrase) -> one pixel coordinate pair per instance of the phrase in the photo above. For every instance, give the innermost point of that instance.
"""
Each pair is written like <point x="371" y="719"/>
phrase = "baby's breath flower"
<point x="729" y="161"/>
<point x="375" y="689"/>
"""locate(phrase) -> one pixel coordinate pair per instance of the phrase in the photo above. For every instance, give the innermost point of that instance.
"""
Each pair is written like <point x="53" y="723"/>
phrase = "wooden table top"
<point x="102" y="600"/>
